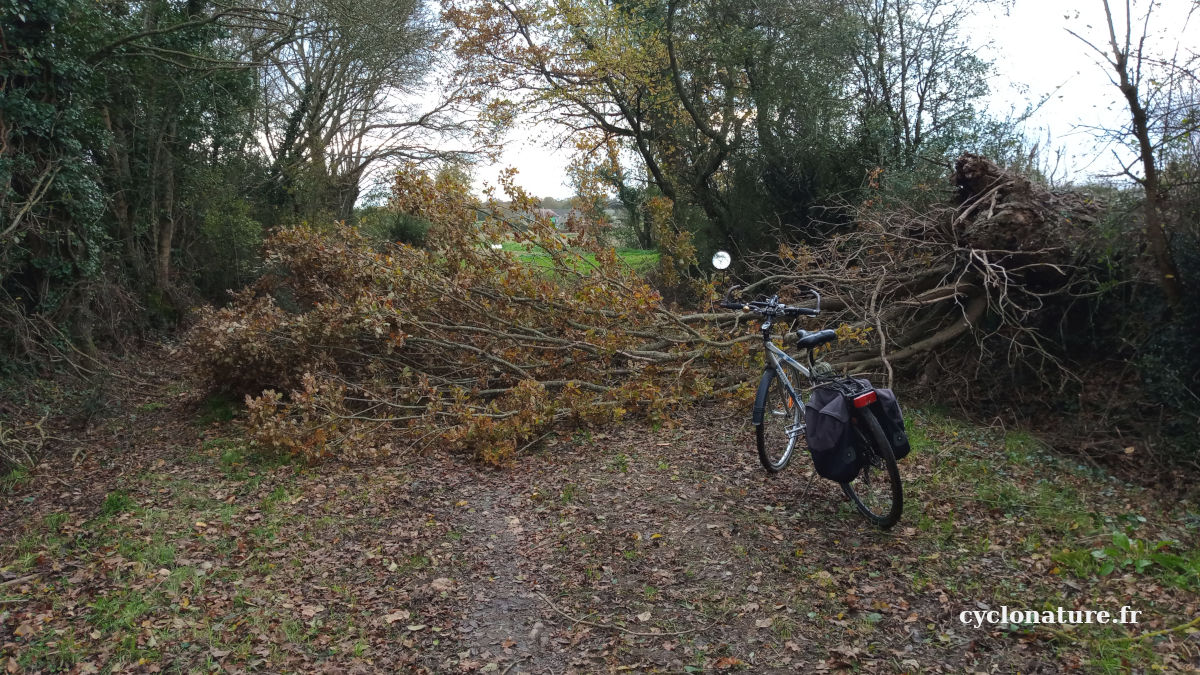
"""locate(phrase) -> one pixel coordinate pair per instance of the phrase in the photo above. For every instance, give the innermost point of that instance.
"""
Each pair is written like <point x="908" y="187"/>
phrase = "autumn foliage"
<point x="349" y="351"/>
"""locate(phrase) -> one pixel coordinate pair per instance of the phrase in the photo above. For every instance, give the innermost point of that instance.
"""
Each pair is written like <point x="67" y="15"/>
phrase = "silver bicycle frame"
<point x="775" y="355"/>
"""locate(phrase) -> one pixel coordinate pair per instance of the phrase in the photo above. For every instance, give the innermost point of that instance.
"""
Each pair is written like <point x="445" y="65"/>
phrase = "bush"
<point x="228" y="251"/>
<point x="387" y="225"/>
<point x="1169" y="360"/>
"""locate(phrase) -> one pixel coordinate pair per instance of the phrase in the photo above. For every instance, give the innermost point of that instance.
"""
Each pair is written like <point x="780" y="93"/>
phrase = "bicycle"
<point x="778" y="413"/>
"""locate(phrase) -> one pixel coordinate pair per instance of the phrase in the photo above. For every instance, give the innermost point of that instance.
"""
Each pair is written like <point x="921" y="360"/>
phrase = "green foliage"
<point x="117" y="502"/>
<point x="217" y="407"/>
<point x="1126" y="554"/>
<point x="230" y="240"/>
<point x="387" y="225"/>
<point x="1130" y="318"/>
<point x="127" y="172"/>
<point x="1169" y="361"/>
<point x="51" y="196"/>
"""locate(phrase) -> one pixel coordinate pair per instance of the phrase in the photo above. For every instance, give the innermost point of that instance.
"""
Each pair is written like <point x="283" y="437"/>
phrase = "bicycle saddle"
<point x="809" y="340"/>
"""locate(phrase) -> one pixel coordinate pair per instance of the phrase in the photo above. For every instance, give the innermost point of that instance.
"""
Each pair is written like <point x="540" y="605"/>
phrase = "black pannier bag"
<point x="827" y="427"/>
<point x="892" y="422"/>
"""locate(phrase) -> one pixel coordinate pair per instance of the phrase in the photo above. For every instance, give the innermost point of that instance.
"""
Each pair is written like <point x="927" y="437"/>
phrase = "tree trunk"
<point x="1156" y="235"/>
<point x="166" y="225"/>
<point x="346" y="194"/>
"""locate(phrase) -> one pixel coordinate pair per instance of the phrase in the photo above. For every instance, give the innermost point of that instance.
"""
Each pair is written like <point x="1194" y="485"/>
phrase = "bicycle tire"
<point x="776" y="439"/>
<point x="859" y="490"/>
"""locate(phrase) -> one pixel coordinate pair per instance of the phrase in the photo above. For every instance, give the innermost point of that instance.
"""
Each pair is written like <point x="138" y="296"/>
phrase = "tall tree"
<point x="1153" y="88"/>
<point x="178" y="98"/>
<point x="695" y="87"/>
<point x="919" y="81"/>
<point x="345" y="96"/>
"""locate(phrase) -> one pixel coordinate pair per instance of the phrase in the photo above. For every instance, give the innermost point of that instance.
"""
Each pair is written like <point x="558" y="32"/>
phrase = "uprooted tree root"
<point x="957" y="295"/>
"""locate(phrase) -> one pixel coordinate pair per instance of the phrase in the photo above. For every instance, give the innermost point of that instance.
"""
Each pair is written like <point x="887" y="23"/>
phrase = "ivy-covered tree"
<point x="133" y="168"/>
<point x="52" y="200"/>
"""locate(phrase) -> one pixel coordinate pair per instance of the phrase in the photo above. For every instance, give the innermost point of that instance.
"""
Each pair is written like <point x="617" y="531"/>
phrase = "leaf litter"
<point x="638" y="549"/>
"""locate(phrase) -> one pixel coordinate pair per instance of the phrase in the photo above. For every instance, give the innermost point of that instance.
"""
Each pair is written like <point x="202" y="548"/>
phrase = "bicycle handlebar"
<point x="771" y="306"/>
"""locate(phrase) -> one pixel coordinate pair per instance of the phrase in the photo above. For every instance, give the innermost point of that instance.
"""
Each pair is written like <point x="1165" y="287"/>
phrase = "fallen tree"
<point x="351" y="351"/>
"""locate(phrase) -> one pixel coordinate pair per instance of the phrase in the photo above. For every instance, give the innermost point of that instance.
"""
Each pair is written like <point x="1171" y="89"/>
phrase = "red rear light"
<point x="864" y="400"/>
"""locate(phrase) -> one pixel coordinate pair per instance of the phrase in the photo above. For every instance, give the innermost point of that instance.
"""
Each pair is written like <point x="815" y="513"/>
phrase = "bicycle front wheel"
<point x="782" y="424"/>
<point x="876" y="491"/>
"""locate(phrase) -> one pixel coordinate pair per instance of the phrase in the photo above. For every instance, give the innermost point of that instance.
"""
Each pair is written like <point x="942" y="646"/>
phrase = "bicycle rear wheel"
<point x="876" y="491"/>
<point x="782" y="425"/>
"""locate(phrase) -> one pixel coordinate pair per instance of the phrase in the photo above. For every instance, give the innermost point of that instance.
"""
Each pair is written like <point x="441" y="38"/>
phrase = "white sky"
<point x="1031" y="50"/>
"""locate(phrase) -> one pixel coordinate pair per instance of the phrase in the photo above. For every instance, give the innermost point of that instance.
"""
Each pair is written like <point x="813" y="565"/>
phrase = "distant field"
<point x="638" y="259"/>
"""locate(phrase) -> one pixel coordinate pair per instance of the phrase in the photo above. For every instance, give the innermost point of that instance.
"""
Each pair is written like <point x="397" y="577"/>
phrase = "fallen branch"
<point x="972" y="313"/>
<point x="626" y="631"/>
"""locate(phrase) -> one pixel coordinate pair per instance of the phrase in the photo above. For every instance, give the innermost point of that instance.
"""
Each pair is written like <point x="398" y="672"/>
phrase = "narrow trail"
<point x="504" y="621"/>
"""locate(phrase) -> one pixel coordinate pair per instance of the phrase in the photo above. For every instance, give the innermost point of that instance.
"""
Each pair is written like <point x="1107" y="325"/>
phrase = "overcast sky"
<point x="1034" y="56"/>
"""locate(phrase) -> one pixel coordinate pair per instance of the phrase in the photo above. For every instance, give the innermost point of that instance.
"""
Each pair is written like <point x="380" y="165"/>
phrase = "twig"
<point x="534" y="442"/>
<point x="511" y="665"/>
<point x="626" y="631"/>
<point x="880" y="331"/>
<point x="13" y="582"/>
<point x="1166" y="631"/>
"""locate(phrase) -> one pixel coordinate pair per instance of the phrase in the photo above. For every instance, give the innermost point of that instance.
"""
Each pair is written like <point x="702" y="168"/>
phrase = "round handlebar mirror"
<point x="721" y="260"/>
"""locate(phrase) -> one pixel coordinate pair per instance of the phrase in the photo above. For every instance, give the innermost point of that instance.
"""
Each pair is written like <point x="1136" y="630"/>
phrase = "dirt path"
<point x="504" y="621"/>
<point x="171" y="547"/>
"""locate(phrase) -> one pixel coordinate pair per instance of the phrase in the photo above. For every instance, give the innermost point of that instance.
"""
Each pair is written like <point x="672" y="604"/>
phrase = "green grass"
<point x="620" y="463"/>
<point x="1165" y="560"/>
<point x="117" y="502"/>
<point x="51" y="652"/>
<point x="638" y="259"/>
<point x="217" y="408"/>
<point x="119" y="610"/>
<point x="14" y="478"/>
<point x="240" y="462"/>
<point x="55" y="521"/>
<point x="568" y="493"/>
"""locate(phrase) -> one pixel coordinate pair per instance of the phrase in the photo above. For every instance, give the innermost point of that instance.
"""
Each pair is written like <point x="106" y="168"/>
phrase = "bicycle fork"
<point x="789" y="399"/>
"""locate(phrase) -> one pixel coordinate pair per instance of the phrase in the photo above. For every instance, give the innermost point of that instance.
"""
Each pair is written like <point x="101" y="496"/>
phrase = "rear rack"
<point x="849" y="386"/>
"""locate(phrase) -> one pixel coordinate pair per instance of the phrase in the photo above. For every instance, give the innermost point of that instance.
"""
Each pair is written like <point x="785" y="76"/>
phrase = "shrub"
<point x="387" y="225"/>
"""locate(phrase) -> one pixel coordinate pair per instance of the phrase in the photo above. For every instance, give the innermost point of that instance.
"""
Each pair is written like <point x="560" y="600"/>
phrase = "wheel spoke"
<point x="781" y="426"/>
